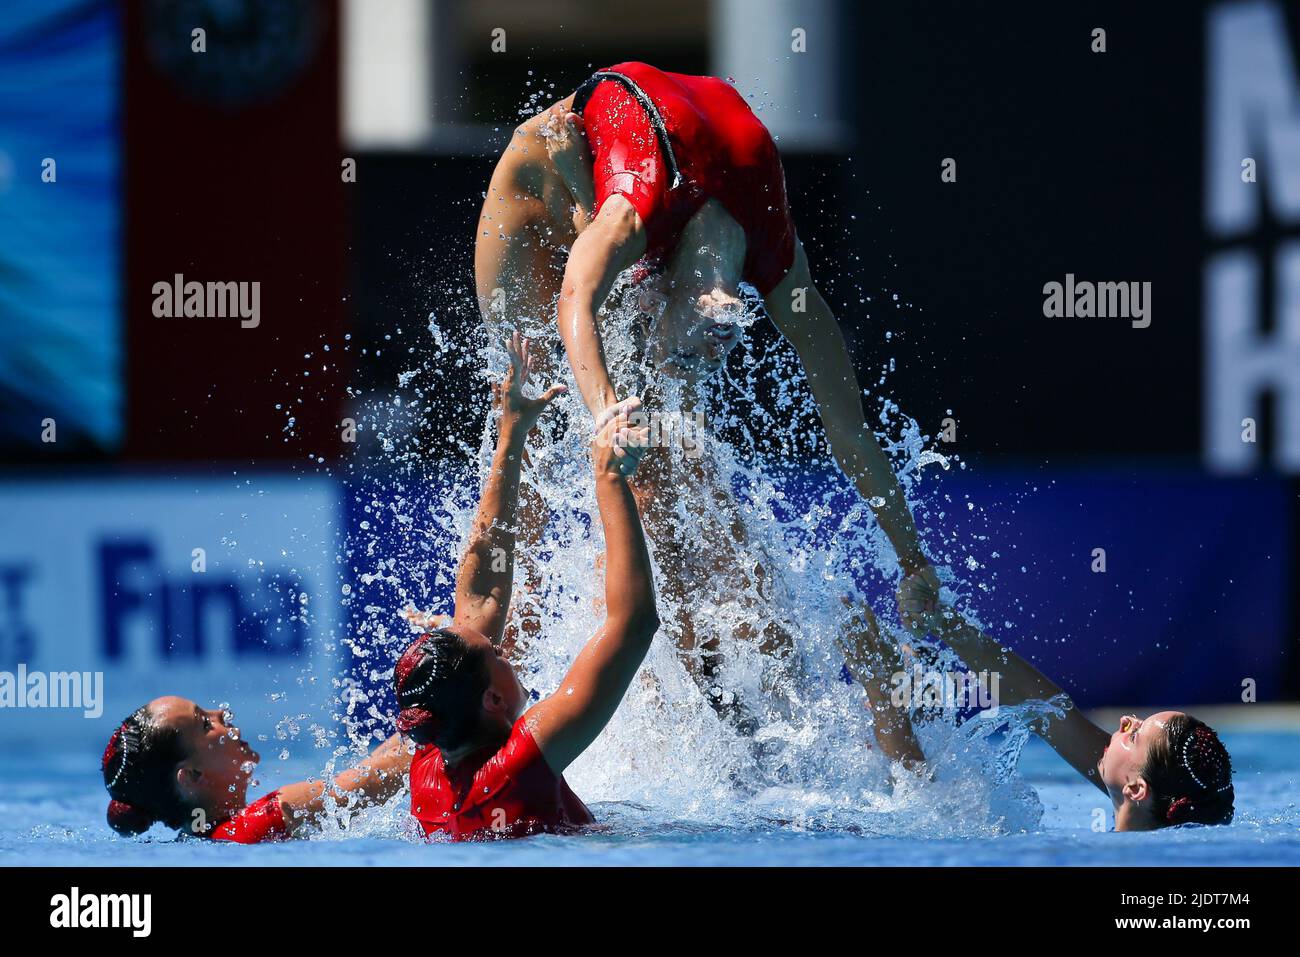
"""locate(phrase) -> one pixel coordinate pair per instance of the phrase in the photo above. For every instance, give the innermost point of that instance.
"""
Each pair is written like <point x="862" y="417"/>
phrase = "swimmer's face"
<point x="1124" y="758"/>
<point x="698" y="330"/>
<point x="218" y="760"/>
<point x="505" y="697"/>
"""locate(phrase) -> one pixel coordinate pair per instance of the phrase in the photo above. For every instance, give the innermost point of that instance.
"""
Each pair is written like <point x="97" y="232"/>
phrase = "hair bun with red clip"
<point x="124" y="742"/>
<point x="411" y="659"/>
<point x="1206" y="760"/>
<point x="127" y="818"/>
<point x="1174" y="814"/>
<point x="412" y="719"/>
<point x="111" y="749"/>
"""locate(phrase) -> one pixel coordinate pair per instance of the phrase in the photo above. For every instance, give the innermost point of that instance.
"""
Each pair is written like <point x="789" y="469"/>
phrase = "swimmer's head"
<point x="702" y="314"/>
<point x="455" y="689"/>
<point x="1167" y="769"/>
<point x="170" y="758"/>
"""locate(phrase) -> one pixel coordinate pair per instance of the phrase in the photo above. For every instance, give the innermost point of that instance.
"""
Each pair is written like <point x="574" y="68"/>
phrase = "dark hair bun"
<point x="439" y="682"/>
<point x="1181" y="811"/>
<point x="1207" y="809"/>
<point x="127" y="818"/>
<point x="419" y="723"/>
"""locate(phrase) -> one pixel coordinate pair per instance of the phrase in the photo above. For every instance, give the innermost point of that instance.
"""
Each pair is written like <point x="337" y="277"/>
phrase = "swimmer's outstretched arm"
<point x="1072" y="736"/>
<point x="614" y="240"/>
<point x="369" y="782"/>
<point x="487" y="570"/>
<point x="816" y="336"/>
<point x="873" y="660"/>
<point x="567" y="722"/>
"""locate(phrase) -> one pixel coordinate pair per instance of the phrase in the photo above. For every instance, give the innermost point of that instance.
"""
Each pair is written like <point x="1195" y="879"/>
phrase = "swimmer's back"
<point x="512" y="793"/>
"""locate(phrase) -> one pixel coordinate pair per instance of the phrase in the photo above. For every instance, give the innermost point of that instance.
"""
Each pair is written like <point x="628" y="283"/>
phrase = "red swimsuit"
<point x="263" y="820"/>
<point x="512" y="793"/>
<point x="669" y="142"/>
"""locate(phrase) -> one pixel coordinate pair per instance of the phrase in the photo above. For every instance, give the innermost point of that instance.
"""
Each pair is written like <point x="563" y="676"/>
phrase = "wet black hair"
<point x="439" y="681"/>
<point x="139" y="768"/>
<point x="1190" y="775"/>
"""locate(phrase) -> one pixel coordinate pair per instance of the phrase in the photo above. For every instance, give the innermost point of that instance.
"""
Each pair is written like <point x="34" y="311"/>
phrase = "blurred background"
<point x="135" y="449"/>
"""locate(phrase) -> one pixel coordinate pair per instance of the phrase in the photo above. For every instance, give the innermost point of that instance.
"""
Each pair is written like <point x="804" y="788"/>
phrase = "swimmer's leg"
<point x="872" y="659"/>
<point x="720" y="556"/>
<point x="800" y="313"/>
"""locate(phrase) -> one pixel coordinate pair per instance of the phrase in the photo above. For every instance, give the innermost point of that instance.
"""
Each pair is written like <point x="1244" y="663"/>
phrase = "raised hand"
<point x="621" y="440"/>
<point x="517" y="411"/>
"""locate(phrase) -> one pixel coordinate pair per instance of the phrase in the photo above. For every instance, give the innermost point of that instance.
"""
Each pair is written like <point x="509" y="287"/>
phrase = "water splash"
<point x="801" y="753"/>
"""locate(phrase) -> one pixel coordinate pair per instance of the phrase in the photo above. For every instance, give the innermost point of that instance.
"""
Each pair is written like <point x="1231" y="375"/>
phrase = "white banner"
<point x="224" y="591"/>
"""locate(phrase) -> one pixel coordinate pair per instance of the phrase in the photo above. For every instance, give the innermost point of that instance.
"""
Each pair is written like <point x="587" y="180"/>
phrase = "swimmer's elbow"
<point x="639" y="625"/>
<point x="645" y="622"/>
<point x="620" y="215"/>
<point x="651" y="622"/>
<point x="617" y="227"/>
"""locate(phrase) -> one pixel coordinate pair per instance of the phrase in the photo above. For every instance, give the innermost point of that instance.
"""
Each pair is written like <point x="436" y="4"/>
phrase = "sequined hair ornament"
<point x="126" y="742"/>
<point x="1202" y="747"/>
<point x="415" y="716"/>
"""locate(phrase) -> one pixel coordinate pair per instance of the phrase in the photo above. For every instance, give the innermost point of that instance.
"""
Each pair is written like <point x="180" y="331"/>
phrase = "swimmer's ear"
<point x="1137" y="790"/>
<point x="493" y="703"/>
<point x="187" y="779"/>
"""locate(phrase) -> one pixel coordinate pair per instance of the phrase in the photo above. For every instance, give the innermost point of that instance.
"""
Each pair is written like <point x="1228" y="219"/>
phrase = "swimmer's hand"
<point x="621" y="439"/>
<point x="918" y="601"/>
<point x="519" y="414"/>
<point x="566" y="144"/>
<point x="425" y="621"/>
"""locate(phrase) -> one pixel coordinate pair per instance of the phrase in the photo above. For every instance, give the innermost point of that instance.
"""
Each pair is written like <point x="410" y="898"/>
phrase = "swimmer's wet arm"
<point x="486" y="577"/>
<point x="369" y="782"/>
<point x="630" y="606"/>
<point x="567" y="722"/>
<point x="873" y="659"/>
<point x="816" y="335"/>
<point x="1073" y="736"/>
<point x="487" y="570"/>
<point x="614" y="240"/>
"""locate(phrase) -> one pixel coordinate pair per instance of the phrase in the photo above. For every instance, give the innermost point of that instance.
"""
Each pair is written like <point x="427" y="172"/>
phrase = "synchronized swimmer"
<point x="676" y="174"/>
<point x="1168" y="768"/>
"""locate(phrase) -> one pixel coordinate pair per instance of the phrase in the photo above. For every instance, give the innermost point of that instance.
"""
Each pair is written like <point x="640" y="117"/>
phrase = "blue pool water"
<point x="51" y="813"/>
